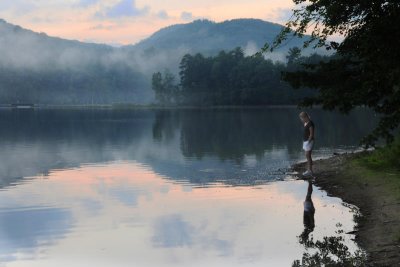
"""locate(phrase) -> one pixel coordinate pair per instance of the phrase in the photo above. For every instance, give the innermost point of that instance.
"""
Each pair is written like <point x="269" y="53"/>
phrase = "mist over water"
<point x="163" y="187"/>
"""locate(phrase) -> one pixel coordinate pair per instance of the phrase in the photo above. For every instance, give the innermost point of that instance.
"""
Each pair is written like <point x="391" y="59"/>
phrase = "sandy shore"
<point x="378" y="229"/>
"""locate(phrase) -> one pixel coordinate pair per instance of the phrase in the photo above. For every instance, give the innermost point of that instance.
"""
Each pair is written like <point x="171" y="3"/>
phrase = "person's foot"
<point x="307" y="173"/>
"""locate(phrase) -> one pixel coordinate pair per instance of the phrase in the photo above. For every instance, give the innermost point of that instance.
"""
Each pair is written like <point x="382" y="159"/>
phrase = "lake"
<point x="192" y="187"/>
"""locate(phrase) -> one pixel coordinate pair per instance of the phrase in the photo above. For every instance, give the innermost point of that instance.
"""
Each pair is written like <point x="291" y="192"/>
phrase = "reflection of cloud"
<point x="230" y="225"/>
<point x="124" y="8"/>
<point x="91" y="206"/>
<point x="172" y="231"/>
<point x="29" y="229"/>
<point x="126" y="195"/>
<point x="224" y="247"/>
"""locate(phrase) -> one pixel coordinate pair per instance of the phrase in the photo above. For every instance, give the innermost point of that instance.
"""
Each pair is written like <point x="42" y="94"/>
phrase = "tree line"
<point x="231" y="78"/>
<point x="86" y="84"/>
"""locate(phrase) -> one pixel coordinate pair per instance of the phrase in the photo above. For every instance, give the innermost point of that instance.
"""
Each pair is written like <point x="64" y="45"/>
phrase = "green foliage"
<point x="329" y="252"/>
<point x="164" y="88"/>
<point x="293" y="55"/>
<point x="379" y="168"/>
<point x="231" y="78"/>
<point x="384" y="158"/>
<point x="365" y="70"/>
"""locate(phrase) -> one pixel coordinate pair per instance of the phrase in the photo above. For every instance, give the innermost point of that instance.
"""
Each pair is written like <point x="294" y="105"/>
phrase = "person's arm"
<point x="311" y="137"/>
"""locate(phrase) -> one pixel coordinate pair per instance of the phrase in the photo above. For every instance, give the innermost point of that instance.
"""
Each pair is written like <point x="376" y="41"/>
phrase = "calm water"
<point x="163" y="188"/>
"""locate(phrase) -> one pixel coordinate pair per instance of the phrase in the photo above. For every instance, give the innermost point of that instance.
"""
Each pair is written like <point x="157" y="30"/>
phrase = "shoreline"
<point x="149" y="107"/>
<point x="378" y="228"/>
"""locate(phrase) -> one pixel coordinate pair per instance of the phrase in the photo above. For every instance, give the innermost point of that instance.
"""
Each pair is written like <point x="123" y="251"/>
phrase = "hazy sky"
<point x="129" y="21"/>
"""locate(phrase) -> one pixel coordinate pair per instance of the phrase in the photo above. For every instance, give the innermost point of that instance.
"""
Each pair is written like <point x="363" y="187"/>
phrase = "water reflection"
<point x="124" y="214"/>
<point x="161" y="188"/>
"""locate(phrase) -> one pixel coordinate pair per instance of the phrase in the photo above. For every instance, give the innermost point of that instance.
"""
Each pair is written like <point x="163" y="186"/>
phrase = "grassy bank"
<point x="386" y="158"/>
<point x="375" y="170"/>
<point x="382" y="167"/>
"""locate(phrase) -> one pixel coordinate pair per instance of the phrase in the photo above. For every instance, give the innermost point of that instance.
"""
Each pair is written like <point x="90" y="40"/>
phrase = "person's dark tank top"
<point x="307" y="130"/>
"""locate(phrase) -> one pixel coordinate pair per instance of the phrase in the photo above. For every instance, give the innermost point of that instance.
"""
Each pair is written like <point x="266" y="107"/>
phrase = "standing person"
<point x="308" y="140"/>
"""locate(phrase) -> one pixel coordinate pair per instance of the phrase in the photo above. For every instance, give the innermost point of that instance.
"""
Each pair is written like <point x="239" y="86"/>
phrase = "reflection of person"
<point x="309" y="211"/>
<point x="308" y="140"/>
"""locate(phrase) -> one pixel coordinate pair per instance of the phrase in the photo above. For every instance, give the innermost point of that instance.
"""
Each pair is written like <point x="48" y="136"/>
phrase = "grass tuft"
<point x="385" y="158"/>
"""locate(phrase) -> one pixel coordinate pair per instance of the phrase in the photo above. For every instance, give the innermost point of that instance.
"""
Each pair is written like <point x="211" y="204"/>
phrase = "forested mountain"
<point x="40" y="69"/>
<point x="209" y="38"/>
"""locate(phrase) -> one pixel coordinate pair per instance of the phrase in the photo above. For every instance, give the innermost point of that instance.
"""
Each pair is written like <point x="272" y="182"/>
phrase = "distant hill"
<point x="166" y="47"/>
<point x="210" y="37"/>
<point x="26" y="48"/>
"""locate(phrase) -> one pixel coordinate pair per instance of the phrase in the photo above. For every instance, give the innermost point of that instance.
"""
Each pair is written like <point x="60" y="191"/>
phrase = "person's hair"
<point x="304" y="114"/>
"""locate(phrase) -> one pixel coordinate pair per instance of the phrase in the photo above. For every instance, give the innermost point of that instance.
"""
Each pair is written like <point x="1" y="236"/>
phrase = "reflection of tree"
<point x="329" y="252"/>
<point x="234" y="133"/>
<point x="164" y="125"/>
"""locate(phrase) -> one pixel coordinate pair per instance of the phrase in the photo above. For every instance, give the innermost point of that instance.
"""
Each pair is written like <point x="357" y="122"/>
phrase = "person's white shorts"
<point x="308" y="145"/>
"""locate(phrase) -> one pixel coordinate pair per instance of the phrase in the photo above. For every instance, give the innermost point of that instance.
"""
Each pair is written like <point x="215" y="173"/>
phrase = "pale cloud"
<point x="17" y="7"/>
<point x="124" y="8"/>
<point x="186" y="15"/>
<point x="86" y="3"/>
<point x="163" y="14"/>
